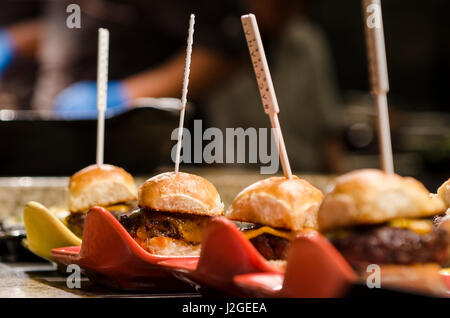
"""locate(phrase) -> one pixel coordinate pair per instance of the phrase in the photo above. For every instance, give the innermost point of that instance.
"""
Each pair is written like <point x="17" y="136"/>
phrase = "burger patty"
<point x="270" y="242"/>
<point x="390" y="245"/>
<point x="75" y="221"/>
<point x="144" y="224"/>
<point x="271" y="247"/>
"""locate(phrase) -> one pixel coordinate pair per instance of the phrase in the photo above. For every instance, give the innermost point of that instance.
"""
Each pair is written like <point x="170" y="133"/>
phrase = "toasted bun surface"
<point x="100" y="185"/>
<point x="371" y="196"/>
<point x="182" y="192"/>
<point x="278" y="202"/>
<point x="444" y="192"/>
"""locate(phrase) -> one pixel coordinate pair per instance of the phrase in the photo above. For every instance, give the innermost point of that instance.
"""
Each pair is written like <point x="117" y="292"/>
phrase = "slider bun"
<point x="278" y="202"/>
<point x="100" y="185"/>
<point x="444" y="192"/>
<point x="371" y="196"/>
<point x="182" y="192"/>
<point x="420" y="278"/>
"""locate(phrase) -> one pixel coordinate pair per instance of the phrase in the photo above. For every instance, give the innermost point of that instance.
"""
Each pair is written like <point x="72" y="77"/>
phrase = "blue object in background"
<point x="79" y="101"/>
<point x="6" y="50"/>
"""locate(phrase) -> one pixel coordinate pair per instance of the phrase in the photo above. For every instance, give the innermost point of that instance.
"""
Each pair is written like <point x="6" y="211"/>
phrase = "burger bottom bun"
<point x="419" y="278"/>
<point x="167" y="246"/>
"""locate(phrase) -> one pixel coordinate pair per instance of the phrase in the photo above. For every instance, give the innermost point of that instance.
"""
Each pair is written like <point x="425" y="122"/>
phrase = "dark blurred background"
<point x="417" y="49"/>
<point x="317" y="55"/>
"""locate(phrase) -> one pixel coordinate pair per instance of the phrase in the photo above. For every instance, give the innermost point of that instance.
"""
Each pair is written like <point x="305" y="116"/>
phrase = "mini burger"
<point x="376" y="218"/>
<point x="277" y="209"/>
<point x="103" y="185"/>
<point x="174" y="209"/>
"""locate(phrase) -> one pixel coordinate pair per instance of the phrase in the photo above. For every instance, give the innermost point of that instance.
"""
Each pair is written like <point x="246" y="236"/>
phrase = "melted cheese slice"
<point x="192" y="230"/>
<point x="268" y="230"/>
<point x="415" y="225"/>
<point x="418" y="226"/>
<point x="118" y="207"/>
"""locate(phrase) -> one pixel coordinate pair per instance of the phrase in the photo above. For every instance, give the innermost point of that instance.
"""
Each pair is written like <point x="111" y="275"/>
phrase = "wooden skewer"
<point x="265" y="85"/>
<point x="187" y="69"/>
<point x="102" y="88"/>
<point x="376" y="55"/>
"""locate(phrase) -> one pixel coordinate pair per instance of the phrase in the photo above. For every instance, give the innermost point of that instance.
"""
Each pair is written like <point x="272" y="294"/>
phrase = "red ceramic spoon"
<point x="314" y="269"/>
<point x="110" y="256"/>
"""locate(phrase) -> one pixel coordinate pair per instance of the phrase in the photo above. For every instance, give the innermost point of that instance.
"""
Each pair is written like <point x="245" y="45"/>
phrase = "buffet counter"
<point x="41" y="280"/>
<point x="38" y="278"/>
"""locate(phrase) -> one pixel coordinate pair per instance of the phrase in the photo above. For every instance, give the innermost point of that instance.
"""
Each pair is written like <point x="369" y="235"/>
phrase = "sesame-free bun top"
<point x="444" y="192"/>
<point x="101" y="185"/>
<point x="278" y="202"/>
<point x="370" y="196"/>
<point x="180" y="192"/>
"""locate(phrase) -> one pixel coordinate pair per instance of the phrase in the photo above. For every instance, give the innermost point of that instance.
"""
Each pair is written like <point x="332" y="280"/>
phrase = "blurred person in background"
<point x="147" y="57"/>
<point x="147" y="50"/>
<point x="17" y="70"/>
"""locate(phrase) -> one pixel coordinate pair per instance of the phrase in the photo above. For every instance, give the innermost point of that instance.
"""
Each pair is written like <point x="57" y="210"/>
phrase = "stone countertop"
<point x="41" y="280"/>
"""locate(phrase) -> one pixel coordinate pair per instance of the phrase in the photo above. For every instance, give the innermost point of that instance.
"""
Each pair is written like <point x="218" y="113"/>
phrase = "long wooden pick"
<point x="102" y="88"/>
<point x="376" y="55"/>
<point x="187" y="69"/>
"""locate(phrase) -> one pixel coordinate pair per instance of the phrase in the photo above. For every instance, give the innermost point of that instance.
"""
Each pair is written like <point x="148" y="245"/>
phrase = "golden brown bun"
<point x="182" y="192"/>
<point x="100" y="185"/>
<point x="278" y="202"/>
<point x="371" y="196"/>
<point x="444" y="192"/>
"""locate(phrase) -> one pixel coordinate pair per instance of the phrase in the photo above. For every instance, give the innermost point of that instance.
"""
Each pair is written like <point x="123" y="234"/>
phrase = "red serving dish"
<point x="228" y="262"/>
<point x="111" y="257"/>
<point x="225" y="253"/>
<point x="314" y="269"/>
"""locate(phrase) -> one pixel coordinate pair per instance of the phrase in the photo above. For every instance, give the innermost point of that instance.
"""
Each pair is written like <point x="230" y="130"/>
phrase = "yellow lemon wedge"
<point x="45" y="231"/>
